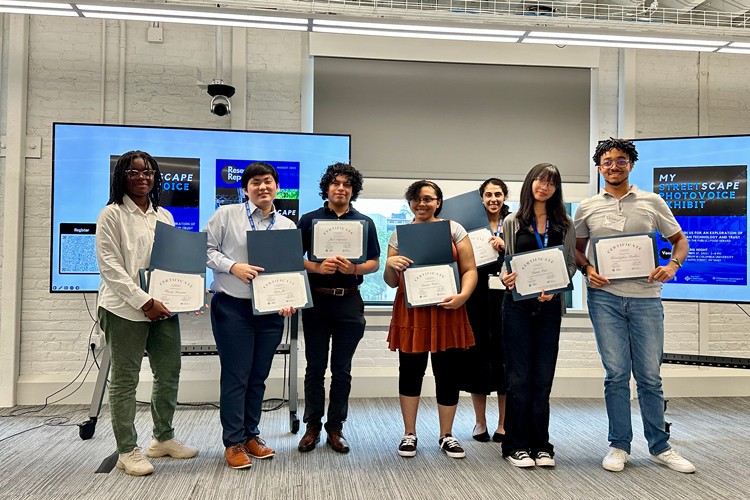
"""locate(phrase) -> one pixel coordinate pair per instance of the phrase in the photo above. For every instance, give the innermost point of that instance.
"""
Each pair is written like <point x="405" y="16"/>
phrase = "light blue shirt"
<point x="227" y="243"/>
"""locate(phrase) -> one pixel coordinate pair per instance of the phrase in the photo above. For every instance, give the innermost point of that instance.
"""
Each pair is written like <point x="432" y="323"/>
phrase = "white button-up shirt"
<point x="227" y="243"/>
<point x="124" y="238"/>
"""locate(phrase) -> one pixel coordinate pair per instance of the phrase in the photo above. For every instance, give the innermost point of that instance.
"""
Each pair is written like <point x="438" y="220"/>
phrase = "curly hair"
<point x="412" y="192"/>
<point x="118" y="186"/>
<point x="345" y="169"/>
<point x="556" y="214"/>
<point x="504" y="211"/>
<point x="623" y="145"/>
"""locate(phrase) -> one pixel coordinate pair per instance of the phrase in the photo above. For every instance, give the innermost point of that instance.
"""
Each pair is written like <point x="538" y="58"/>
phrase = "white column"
<point x="13" y="207"/>
<point x="626" y="94"/>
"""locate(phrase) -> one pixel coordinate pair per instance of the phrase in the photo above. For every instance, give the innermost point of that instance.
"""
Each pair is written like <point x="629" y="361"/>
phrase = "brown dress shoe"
<point x="237" y="457"/>
<point x="257" y="448"/>
<point x="337" y="441"/>
<point x="311" y="438"/>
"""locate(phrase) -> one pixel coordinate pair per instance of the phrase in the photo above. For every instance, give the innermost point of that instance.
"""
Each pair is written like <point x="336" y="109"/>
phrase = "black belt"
<point x="338" y="292"/>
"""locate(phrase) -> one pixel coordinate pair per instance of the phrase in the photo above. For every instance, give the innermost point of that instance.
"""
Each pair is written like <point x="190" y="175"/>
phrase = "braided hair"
<point x="118" y="187"/>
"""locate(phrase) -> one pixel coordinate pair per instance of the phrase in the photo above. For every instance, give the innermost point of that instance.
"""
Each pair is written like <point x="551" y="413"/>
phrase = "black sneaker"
<point x="544" y="459"/>
<point x="450" y="446"/>
<point x="521" y="458"/>
<point x="408" y="445"/>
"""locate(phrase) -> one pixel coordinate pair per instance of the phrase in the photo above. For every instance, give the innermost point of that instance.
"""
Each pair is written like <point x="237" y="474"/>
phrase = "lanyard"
<point x="250" y="218"/>
<point x="499" y="231"/>
<point x="536" y="233"/>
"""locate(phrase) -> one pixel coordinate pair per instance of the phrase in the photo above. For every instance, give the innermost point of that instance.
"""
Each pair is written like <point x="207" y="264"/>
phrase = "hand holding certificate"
<point x="430" y="285"/>
<point x="179" y="292"/>
<point x="623" y="257"/>
<point x="283" y="284"/>
<point x="332" y="238"/>
<point x="484" y="253"/>
<point x="177" y="271"/>
<point x="537" y="271"/>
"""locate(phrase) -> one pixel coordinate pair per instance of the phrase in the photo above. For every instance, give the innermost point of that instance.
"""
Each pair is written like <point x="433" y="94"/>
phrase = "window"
<point x="390" y="213"/>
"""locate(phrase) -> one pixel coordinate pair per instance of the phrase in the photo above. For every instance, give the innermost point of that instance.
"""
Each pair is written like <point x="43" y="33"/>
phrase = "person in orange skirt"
<point x="441" y="331"/>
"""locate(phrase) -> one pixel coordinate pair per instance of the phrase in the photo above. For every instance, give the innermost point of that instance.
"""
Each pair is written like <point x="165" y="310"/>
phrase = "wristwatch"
<point x="679" y="265"/>
<point x="584" y="267"/>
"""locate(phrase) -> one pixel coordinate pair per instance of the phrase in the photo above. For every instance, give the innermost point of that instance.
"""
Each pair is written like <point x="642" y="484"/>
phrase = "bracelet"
<point x="679" y="265"/>
<point x="584" y="267"/>
<point x="355" y="269"/>
<point x="149" y="307"/>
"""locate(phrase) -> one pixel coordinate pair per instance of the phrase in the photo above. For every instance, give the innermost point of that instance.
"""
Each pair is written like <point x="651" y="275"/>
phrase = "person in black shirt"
<point x="337" y="320"/>
<point x="531" y="328"/>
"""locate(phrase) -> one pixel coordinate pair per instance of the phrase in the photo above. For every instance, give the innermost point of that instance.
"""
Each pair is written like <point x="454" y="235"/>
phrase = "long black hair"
<point x="558" y="218"/>
<point x="623" y="145"/>
<point x="118" y="187"/>
<point x="412" y="192"/>
<point x="345" y="169"/>
<point x="504" y="210"/>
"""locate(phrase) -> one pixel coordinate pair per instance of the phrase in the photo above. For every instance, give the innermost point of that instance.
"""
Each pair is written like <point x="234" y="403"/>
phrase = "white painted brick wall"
<point x="64" y="85"/>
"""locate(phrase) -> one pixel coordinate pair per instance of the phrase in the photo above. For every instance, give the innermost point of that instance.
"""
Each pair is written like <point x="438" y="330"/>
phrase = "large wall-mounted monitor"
<point x="201" y="170"/>
<point x="704" y="181"/>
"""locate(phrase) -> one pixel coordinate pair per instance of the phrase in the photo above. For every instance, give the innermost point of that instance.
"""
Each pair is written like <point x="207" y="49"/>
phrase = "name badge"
<point x="495" y="283"/>
<point x="615" y="222"/>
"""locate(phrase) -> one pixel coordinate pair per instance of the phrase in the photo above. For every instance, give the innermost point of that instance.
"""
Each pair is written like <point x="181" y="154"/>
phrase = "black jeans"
<point x="338" y="323"/>
<point x="531" y="332"/>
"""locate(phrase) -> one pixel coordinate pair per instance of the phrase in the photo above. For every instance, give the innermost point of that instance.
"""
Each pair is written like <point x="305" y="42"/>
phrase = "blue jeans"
<point x="630" y="338"/>
<point x="531" y="334"/>
<point x="338" y="323"/>
<point x="246" y="345"/>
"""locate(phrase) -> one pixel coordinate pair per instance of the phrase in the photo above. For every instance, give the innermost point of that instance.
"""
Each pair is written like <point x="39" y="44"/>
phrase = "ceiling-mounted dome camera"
<point x="220" y="93"/>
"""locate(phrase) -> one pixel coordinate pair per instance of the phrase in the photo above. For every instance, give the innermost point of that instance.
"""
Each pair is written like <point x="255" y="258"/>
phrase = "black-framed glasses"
<point x="426" y="200"/>
<point x="546" y="182"/>
<point x="620" y="162"/>
<point x="135" y="174"/>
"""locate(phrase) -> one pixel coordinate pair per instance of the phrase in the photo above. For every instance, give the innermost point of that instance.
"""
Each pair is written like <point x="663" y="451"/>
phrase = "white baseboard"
<point x="679" y="381"/>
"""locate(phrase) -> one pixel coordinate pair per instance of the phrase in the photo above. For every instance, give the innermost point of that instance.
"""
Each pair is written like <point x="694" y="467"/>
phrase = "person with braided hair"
<point x="132" y="320"/>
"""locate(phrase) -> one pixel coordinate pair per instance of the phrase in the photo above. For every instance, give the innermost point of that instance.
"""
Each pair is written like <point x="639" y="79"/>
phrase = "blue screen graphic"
<point x="704" y="181"/>
<point x="82" y="156"/>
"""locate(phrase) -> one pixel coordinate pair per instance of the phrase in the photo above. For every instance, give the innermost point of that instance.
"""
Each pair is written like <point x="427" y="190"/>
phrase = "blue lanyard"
<point x="536" y="233"/>
<point x="250" y="218"/>
<point x="499" y="228"/>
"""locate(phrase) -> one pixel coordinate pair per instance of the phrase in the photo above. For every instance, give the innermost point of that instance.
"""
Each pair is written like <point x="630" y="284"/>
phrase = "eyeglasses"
<point x="135" y="174"/>
<point x="546" y="183"/>
<point x="621" y="162"/>
<point x="425" y="200"/>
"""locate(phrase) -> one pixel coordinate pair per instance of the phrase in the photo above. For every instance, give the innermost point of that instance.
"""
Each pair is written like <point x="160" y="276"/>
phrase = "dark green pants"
<point x="127" y="341"/>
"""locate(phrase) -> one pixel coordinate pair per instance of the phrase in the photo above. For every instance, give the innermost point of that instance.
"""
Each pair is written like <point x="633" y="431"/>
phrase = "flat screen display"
<point x="201" y="170"/>
<point x="704" y="182"/>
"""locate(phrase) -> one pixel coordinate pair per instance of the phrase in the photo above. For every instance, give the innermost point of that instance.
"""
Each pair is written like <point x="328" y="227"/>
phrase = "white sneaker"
<point x="615" y="460"/>
<point x="173" y="448"/>
<point x="544" y="459"/>
<point x="521" y="458"/>
<point x="674" y="461"/>
<point x="134" y="463"/>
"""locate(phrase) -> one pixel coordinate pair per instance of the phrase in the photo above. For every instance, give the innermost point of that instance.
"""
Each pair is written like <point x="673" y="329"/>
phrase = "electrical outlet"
<point x="98" y="340"/>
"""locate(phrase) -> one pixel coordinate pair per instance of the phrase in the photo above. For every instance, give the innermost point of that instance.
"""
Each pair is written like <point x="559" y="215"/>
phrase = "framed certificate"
<point x="539" y="270"/>
<point x="624" y="257"/>
<point x="179" y="292"/>
<point x="430" y="285"/>
<point x="483" y="252"/>
<point x="271" y="292"/>
<point x="346" y="238"/>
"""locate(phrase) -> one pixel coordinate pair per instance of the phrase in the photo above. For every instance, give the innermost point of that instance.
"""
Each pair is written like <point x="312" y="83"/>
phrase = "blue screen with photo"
<point x="704" y="181"/>
<point x="192" y="162"/>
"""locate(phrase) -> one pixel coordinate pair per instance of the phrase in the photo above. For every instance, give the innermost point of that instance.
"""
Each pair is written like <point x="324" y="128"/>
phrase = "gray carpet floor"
<point x="52" y="462"/>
